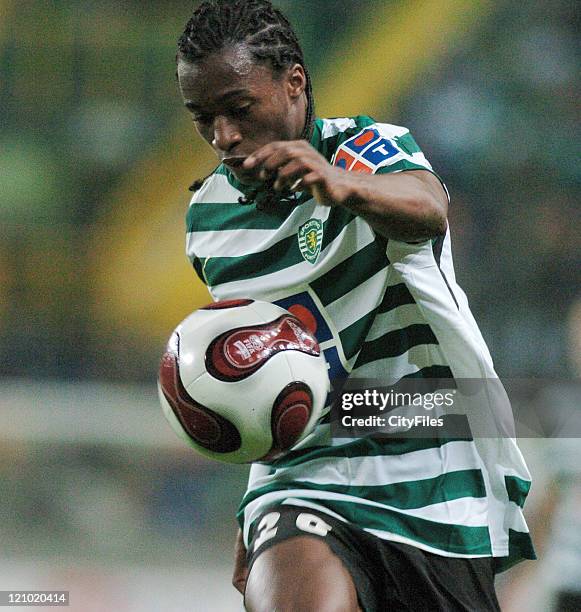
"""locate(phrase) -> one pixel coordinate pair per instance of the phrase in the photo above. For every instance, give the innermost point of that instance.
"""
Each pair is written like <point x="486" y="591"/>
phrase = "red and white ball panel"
<point x="190" y="418"/>
<point x="245" y="379"/>
<point x="290" y="415"/>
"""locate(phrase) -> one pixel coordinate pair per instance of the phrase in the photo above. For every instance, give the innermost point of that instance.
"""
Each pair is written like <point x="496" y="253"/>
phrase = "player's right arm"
<point x="406" y="206"/>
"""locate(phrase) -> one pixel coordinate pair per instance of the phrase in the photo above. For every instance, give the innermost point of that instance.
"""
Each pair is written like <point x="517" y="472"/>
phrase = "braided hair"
<point x="269" y="37"/>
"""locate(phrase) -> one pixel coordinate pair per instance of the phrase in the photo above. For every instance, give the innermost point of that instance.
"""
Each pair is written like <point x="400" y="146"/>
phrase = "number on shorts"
<point x="312" y="524"/>
<point x="267" y="529"/>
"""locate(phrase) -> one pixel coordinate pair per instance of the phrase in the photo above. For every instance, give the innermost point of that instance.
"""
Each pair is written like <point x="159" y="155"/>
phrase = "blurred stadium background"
<point x="96" y="154"/>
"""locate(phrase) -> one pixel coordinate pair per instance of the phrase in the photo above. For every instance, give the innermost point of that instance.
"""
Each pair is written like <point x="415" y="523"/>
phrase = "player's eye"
<point x="241" y="111"/>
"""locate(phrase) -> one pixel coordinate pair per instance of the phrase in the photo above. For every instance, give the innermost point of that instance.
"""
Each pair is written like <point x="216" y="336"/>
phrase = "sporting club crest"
<point x="311" y="240"/>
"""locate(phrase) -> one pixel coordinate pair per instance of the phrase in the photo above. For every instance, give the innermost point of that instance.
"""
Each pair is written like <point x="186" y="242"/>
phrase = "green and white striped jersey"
<point x="384" y="310"/>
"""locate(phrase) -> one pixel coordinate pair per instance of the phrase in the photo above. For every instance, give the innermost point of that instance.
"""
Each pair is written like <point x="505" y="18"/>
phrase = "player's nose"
<point x="226" y="134"/>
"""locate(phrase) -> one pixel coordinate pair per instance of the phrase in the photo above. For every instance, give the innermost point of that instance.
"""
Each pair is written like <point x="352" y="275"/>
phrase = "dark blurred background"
<point x="96" y="154"/>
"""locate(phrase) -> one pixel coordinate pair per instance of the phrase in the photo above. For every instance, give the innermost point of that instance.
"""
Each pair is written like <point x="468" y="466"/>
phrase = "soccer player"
<point x="343" y="222"/>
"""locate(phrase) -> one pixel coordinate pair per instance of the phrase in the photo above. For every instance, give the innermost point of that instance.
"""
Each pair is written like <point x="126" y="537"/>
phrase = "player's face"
<point x="238" y="105"/>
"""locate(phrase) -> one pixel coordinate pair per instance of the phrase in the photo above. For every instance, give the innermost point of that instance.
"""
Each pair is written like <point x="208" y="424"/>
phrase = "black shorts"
<point x="387" y="575"/>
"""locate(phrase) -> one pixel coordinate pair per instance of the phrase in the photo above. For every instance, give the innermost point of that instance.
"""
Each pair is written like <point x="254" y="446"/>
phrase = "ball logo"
<point x="244" y="350"/>
<point x="239" y="353"/>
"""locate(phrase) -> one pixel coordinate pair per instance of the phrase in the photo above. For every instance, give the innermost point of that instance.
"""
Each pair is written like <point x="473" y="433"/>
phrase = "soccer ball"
<point x="243" y="381"/>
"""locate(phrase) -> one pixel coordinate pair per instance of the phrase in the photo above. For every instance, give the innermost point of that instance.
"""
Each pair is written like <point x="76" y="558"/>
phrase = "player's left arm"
<point x="408" y="206"/>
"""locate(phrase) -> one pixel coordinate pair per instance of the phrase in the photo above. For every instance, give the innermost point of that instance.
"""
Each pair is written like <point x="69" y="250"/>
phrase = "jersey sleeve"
<point x="381" y="148"/>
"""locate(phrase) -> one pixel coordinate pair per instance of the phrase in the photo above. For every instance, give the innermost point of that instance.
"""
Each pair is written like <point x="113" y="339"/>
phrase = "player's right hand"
<point x="240" y="566"/>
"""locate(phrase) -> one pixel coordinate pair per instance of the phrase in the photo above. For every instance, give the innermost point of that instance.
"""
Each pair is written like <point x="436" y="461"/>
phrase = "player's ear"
<point x="296" y="81"/>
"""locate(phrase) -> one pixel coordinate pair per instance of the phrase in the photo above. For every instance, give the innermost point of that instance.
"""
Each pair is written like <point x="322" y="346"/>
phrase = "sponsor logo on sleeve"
<point x="365" y="152"/>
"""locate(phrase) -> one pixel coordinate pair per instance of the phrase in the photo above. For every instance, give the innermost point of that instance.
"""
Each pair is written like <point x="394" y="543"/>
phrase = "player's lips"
<point x="244" y="175"/>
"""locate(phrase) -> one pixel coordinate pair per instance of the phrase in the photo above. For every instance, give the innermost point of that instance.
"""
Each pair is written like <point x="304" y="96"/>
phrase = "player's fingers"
<point x="267" y="160"/>
<point x="311" y="179"/>
<point x="283" y="156"/>
<point x="258" y="157"/>
<point x="273" y="155"/>
<point x="279" y="159"/>
<point x="314" y="183"/>
<point x="289" y="174"/>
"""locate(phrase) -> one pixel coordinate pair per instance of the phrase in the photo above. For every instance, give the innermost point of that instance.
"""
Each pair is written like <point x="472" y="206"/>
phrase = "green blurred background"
<point x="96" y="154"/>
